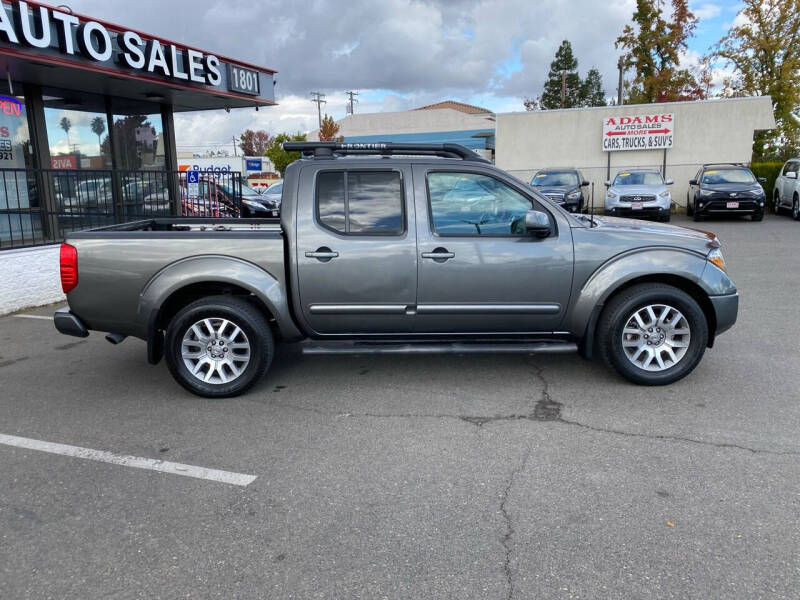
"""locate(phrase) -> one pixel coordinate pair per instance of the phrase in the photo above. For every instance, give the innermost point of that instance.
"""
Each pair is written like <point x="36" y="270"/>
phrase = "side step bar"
<point x="439" y="348"/>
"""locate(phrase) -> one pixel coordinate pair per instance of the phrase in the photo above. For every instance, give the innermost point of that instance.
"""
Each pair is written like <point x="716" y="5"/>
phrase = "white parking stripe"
<point x="129" y="461"/>
<point x="33" y="317"/>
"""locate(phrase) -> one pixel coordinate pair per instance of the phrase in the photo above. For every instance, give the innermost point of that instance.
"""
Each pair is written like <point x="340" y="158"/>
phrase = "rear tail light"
<point x="69" y="267"/>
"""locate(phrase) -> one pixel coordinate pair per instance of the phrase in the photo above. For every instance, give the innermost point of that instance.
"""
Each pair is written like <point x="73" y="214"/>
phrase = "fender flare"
<point x="211" y="269"/>
<point x="641" y="263"/>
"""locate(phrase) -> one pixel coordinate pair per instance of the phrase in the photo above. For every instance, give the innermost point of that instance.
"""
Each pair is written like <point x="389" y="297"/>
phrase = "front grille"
<point x="641" y="198"/>
<point x="555" y="197"/>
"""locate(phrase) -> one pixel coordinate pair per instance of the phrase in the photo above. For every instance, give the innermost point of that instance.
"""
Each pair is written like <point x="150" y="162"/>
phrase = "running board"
<point x="439" y="348"/>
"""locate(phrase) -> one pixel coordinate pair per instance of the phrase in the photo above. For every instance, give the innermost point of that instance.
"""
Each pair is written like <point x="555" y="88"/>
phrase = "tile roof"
<point x="459" y="106"/>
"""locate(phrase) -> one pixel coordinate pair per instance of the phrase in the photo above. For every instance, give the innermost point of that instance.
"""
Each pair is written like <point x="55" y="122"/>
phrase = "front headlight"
<point x="611" y="195"/>
<point x="574" y="195"/>
<point x="706" y="192"/>
<point x="664" y="194"/>
<point x="715" y="258"/>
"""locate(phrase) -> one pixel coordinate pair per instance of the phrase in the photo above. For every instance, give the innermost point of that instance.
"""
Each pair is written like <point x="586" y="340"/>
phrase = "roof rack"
<point x="331" y="149"/>
<point x="719" y="164"/>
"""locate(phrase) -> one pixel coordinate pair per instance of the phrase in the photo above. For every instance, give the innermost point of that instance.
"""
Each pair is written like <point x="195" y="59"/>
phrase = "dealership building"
<point x="676" y="138"/>
<point x="86" y="125"/>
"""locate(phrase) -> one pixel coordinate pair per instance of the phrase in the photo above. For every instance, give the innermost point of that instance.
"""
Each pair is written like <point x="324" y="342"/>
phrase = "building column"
<point x="171" y="157"/>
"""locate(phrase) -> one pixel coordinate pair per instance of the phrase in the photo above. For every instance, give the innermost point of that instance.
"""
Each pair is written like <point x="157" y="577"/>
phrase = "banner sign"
<point x="640" y="132"/>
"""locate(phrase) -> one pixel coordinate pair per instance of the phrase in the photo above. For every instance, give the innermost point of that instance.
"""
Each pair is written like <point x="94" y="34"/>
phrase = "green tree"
<point x="764" y="54"/>
<point x="98" y="125"/>
<point x="564" y="66"/>
<point x="592" y="92"/>
<point x="328" y="130"/>
<point x="130" y="152"/>
<point x="652" y="46"/>
<point x="278" y="156"/>
<point x="66" y="125"/>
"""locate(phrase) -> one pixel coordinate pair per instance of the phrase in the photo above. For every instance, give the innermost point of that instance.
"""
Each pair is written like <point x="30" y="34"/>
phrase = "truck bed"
<point x="172" y="224"/>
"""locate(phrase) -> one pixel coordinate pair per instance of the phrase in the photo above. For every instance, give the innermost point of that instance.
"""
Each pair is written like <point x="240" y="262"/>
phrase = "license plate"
<point x="733" y="205"/>
<point x="637" y="206"/>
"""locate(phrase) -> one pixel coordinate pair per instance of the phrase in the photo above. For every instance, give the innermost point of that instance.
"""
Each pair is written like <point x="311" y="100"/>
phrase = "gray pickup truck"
<point x="399" y="248"/>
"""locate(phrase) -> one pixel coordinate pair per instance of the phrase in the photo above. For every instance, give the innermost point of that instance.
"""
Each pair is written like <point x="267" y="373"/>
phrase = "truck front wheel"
<point x="218" y="346"/>
<point x="652" y="334"/>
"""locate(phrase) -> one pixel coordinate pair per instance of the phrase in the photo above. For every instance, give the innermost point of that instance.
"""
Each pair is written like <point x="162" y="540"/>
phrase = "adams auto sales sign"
<point x="640" y="132"/>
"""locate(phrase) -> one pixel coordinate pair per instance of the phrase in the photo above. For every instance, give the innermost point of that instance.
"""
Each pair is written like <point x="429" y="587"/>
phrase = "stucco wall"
<point x="707" y="131"/>
<point x="30" y="278"/>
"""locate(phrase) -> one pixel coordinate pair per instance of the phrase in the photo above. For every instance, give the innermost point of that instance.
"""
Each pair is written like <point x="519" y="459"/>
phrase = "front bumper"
<point x="69" y="324"/>
<point x="646" y="212"/>
<point x="720" y="206"/>
<point x="726" y="309"/>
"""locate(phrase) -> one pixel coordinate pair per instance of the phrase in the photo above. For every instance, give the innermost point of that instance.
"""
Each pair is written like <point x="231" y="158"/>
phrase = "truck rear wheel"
<point x="652" y="334"/>
<point x="218" y="346"/>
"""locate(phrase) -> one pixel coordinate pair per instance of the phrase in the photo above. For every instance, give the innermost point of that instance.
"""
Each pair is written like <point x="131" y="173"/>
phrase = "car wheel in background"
<point x="652" y="334"/>
<point x="776" y="203"/>
<point x="697" y="217"/>
<point x="796" y="209"/>
<point x="689" y="207"/>
<point x="759" y="216"/>
<point x="218" y="346"/>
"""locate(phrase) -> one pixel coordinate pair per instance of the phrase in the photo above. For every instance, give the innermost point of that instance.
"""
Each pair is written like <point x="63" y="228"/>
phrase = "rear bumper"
<point x="69" y="324"/>
<point x="726" y="309"/>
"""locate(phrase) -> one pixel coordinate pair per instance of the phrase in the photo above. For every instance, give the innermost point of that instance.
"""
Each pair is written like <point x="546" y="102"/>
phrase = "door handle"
<point x="323" y="254"/>
<point x="439" y="254"/>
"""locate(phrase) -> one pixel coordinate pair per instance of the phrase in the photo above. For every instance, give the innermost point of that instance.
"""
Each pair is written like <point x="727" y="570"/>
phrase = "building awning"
<point x="71" y="51"/>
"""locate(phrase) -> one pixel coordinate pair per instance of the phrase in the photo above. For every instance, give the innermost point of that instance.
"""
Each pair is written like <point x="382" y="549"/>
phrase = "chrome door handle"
<point x="439" y="255"/>
<point x="322" y="254"/>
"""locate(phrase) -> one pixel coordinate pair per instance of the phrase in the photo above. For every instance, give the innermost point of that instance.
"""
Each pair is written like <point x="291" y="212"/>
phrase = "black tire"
<point x="619" y="310"/>
<point x="796" y="208"/>
<point x="776" y="203"/>
<point x="689" y="207"/>
<point x="665" y="218"/>
<point x="759" y="216"/>
<point x="696" y="216"/>
<point x="240" y="313"/>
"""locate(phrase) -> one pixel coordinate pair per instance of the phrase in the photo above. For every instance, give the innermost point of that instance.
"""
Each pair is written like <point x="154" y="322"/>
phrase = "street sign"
<point x="193" y="184"/>
<point x="638" y="132"/>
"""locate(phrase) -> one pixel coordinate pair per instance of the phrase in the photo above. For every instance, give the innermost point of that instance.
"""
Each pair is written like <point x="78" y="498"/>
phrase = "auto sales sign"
<point x="640" y="132"/>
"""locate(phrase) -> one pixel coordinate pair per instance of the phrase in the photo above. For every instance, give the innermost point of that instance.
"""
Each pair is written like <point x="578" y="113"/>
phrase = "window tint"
<point x="471" y="204"/>
<point x="791" y="167"/>
<point x="361" y="202"/>
<point x="556" y="178"/>
<point x="330" y="200"/>
<point x="638" y="178"/>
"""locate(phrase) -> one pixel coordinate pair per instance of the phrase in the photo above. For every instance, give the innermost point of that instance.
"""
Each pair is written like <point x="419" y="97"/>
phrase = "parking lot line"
<point x="33" y="317"/>
<point x="138" y="462"/>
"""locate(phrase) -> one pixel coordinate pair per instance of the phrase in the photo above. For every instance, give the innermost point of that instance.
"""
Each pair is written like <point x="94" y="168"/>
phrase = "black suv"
<point x="729" y="188"/>
<point x="563" y="186"/>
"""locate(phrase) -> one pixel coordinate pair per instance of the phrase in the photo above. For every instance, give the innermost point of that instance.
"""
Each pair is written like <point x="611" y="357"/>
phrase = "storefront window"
<point x="77" y="131"/>
<point x="20" y="222"/>
<point x="140" y="141"/>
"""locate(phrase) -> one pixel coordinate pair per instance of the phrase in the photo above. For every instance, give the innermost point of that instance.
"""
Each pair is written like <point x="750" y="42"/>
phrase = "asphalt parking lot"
<point x="416" y="477"/>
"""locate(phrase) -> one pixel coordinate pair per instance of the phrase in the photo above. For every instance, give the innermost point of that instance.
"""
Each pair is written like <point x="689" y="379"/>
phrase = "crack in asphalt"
<point x="506" y="539"/>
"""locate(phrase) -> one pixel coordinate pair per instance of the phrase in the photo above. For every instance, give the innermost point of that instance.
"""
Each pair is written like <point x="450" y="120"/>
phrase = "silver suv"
<point x="639" y="193"/>
<point x="786" y="195"/>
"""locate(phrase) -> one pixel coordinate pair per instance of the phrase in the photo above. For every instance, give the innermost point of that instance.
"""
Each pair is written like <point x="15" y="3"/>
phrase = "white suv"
<point x="786" y="194"/>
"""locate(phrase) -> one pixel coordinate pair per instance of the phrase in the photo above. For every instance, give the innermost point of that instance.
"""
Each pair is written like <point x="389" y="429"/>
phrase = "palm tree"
<point x="66" y="125"/>
<point x="99" y="127"/>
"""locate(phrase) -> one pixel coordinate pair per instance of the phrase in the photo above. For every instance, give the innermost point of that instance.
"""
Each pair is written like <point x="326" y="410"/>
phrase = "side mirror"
<point x="608" y="183"/>
<point x="792" y="174"/>
<point x="669" y="182"/>
<point x="537" y="223"/>
<point x="764" y="179"/>
<point x="584" y="183"/>
<point x="693" y="182"/>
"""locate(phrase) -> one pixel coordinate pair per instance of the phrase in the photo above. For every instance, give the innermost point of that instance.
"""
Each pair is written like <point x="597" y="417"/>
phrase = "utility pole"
<point x="319" y="98"/>
<point x="234" y="144"/>
<point x="563" y="88"/>
<point x="351" y="95"/>
<point x="621" y="67"/>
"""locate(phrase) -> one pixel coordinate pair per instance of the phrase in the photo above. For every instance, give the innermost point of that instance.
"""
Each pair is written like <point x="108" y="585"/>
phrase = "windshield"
<point x="547" y="178"/>
<point x="638" y="178"/>
<point x="275" y="189"/>
<point x="728" y="176"/>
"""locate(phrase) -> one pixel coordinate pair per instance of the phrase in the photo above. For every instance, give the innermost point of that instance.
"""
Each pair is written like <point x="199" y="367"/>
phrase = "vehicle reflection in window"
<point x="472" y="204"/>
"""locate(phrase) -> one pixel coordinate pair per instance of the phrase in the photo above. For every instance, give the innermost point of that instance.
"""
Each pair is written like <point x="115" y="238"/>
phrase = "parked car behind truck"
<point x="436" y="252"/>
<point x="639" y="193"/>
<point x="786" y="194"/>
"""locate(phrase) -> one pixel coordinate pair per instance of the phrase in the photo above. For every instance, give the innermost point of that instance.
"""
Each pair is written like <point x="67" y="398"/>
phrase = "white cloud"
<point x="707" y="11"/>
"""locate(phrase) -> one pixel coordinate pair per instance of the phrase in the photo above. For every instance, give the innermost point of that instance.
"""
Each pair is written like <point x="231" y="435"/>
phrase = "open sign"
<point x="10" y="106"/>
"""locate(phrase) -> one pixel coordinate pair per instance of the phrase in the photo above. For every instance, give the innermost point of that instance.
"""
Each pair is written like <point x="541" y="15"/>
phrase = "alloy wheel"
<point x="215" y="350"/>
<point x="656" y="337"/>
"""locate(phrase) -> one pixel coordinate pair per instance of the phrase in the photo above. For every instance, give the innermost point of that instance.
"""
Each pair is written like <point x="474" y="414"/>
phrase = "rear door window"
<point x="361" y="202"/>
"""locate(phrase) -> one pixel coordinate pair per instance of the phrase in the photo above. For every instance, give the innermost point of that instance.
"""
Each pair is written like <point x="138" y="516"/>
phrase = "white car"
<point x="639" y="193"/>
<point x="786" y="195"/>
